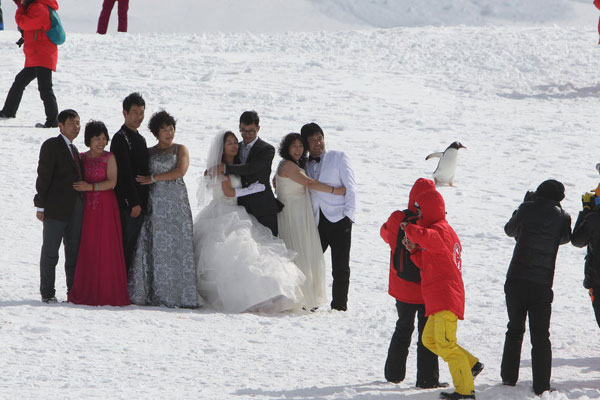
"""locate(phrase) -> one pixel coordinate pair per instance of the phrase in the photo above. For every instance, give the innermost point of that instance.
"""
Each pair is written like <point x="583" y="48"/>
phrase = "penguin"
<point x="446" y="168"/>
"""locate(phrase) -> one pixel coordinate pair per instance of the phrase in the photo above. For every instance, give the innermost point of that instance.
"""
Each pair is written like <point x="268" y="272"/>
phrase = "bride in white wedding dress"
<point x="241" y="266"/>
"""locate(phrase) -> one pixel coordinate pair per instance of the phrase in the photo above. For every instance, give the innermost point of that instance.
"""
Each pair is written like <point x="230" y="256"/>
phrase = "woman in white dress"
<point x="296" y="221"/>
<point x="240" y="266"/>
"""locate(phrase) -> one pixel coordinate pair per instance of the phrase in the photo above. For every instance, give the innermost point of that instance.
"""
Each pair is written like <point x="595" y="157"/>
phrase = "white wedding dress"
<point x="241" y="266"/>
<point x="297" y="228"/>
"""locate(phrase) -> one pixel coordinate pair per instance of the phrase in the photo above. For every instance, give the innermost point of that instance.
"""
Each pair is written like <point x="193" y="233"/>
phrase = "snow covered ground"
<point x="522" y="96"/>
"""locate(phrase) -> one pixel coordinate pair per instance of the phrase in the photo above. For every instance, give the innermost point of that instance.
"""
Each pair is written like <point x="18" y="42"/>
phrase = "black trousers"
<point x="24" y="78"/>
<point x="55" y="232"/>
<point x="427" y="363"/>
<point x="338" y="236"/>
<point x="131" y="228"/>
<point x="526" y="299"/>
<point x="270" y="221"/>
<point x="595" y="297"/>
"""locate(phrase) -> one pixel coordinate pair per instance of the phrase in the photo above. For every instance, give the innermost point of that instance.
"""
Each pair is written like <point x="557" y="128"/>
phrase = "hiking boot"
<point x="456" y="396"/>
<point x="435" y="385"/>
<point x="49" y="300"/>
<point x="550" y="389"/>
<point x="477" y="368"/>
<point x="4" y="115"/>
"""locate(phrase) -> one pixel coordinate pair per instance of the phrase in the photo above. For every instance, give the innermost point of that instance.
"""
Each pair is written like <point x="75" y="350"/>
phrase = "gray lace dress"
<point x="163" y="271"/>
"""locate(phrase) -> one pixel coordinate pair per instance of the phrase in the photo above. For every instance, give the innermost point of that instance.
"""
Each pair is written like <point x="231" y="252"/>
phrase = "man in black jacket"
<point x="59" y="206"/>
<point x="587" y="233"/>
<point x="131" y="153"/>
<point x="256" y="157"/>
<point x="539" y="226"/>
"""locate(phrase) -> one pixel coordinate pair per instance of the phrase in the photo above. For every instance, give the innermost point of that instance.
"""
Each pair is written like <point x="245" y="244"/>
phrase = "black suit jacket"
<point x="131" y="154"/>
<point x="56" y="174"/>
<point x="257" y="168"/>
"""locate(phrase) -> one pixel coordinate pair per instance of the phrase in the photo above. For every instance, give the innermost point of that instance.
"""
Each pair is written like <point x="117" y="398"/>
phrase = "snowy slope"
<point x="315" y="15"/>
<point x="523" y="99"/>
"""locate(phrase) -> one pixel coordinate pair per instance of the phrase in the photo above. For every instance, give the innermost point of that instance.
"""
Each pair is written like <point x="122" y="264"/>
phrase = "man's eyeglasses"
<point x="247" y="132"/>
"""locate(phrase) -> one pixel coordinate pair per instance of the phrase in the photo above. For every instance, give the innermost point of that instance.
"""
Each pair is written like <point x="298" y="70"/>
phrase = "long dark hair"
<point x="284" y="148"/>
<point x="225" y="136"/>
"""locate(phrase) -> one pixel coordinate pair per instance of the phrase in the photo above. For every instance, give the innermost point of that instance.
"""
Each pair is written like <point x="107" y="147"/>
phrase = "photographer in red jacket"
<point x="405" y="287"/>
<point x="436" y="250"/>
<point x="33" y="19"/>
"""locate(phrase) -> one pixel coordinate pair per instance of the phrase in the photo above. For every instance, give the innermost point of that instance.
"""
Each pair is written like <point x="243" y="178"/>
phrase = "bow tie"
<point x="315" y="159"/>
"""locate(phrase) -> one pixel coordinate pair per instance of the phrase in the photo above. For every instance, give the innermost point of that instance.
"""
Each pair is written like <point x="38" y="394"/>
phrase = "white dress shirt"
<point x="245" y="150"/>
<point x="334" y="169"/>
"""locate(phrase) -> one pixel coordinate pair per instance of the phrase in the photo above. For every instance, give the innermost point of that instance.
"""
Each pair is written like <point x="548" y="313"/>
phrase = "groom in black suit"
<point x="59" y="206"/>
<point x="256" y="157"/>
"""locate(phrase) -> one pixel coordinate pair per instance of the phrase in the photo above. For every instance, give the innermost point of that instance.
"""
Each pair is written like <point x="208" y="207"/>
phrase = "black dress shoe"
<point x="49" y="299"/>
<point x="4" y="115"/>
<point x="509" y="383"/>
<point x="435" y="385"/>
<point x="456" y="396"/>
<point x="47" y="125"/>
<point x="477" y="368"/>
<point x="551" y="389"/>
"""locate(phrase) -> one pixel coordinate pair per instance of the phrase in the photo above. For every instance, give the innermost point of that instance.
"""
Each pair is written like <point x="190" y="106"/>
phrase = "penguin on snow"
<point x="446" y="168"/>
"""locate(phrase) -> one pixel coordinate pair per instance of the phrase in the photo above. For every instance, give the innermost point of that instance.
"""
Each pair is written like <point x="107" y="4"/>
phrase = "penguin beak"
<point x="460" y="146"/>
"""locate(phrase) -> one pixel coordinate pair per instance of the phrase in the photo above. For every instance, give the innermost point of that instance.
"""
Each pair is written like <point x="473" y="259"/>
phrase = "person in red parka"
<point x="104" y="18"/>
<point x="597" y="4"/>
<point x="405" y="287"/>
<point x="33" y="18"/>
<point x="436" y="250"/>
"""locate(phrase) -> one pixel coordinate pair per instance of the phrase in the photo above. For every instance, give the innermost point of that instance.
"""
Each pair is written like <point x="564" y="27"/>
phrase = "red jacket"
<point x="438" y="256"/>
<point x="401" y="289"/>
<point x="39" y="50"/>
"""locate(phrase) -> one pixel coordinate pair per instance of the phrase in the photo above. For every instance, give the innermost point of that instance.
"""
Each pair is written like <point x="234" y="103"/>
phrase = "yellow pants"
<point x="439" y="336"/>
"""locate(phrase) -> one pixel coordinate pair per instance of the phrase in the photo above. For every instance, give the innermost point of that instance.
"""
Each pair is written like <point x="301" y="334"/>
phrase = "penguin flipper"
<point x="436" y="154"/>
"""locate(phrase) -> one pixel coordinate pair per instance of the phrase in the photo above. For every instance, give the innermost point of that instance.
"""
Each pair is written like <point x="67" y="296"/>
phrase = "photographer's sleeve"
<point x="582" y="233"/>
<point x="512" y="226"/>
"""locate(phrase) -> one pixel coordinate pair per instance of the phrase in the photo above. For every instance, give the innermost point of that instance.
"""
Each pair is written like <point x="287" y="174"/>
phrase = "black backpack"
<point x="405" y="268"/>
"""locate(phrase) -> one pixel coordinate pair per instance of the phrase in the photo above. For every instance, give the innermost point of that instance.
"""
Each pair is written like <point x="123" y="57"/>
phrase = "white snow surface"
<point x="520" y="94"/>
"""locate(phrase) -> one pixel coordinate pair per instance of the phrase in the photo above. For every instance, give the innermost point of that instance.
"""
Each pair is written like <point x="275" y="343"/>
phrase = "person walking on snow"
<point x="33" y="18"/>
<point x="104" y="18"/>
<point x="405" y="287"/>
<point x="539" y="226"/>
<point x="587" y="233"/>
<point x="436" y="250"/>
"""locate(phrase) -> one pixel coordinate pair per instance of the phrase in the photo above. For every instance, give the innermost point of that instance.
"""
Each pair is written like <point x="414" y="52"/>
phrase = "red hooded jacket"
<point x="401" y="289"/>
<point x="438" y="256"/>
<point x="597" y="4"/>
<point x="34" y="21"/>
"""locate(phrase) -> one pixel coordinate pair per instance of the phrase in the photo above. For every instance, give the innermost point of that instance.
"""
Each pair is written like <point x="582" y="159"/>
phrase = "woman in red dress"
<point x="100" y="277"/>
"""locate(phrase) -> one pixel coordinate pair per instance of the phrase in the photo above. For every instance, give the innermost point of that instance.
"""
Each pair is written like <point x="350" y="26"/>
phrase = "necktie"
<point x="315" y="159"/>
<point x="77" y="160"/>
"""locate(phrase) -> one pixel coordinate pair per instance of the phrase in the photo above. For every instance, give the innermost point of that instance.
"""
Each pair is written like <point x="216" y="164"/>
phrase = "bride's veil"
<point x="207" y="182"/>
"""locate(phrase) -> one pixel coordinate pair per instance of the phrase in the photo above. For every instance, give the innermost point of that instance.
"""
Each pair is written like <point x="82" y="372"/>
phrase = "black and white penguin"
<point x="446" y="168"/>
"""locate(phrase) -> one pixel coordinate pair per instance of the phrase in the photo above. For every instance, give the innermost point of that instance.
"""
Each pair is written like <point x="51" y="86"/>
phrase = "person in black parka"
<point x="540" y="226"/>
<point x="587" y="233"/>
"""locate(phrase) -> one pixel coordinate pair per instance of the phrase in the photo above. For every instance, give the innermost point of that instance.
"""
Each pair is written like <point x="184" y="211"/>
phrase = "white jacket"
<point x="334" y="170"/>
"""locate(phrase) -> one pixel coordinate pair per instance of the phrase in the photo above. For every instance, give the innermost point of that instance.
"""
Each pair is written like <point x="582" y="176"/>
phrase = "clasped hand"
<point x="410" y="246"/>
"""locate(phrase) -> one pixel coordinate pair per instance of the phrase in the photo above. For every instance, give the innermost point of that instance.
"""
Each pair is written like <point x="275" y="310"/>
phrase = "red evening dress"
<point x="100" y="275"/>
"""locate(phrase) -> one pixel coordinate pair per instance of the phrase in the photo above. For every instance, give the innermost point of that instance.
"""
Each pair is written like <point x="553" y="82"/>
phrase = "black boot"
<point x="456" y="396"/>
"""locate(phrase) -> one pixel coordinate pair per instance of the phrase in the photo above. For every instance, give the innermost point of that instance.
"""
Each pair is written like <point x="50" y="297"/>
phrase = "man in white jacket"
<point x="334" y="214"/>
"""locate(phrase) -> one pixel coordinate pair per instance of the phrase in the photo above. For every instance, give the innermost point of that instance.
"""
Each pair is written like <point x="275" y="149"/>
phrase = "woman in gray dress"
<point x="163" y="270"/>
